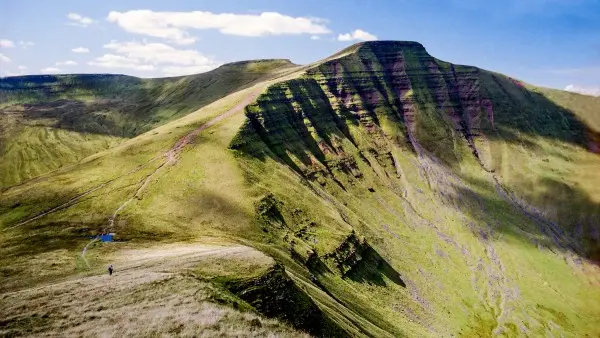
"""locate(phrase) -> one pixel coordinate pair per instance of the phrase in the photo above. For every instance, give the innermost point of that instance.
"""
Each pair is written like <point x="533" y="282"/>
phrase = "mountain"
<point x="383" y="192"/>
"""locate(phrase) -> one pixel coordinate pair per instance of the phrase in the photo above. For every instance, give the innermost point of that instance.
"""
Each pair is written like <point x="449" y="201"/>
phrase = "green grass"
<point x="36" y="150"/>
<point x="443" y="229"/>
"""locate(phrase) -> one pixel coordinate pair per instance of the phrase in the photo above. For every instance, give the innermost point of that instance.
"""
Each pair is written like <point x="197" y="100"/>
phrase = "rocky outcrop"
<point x="274" y="294"/>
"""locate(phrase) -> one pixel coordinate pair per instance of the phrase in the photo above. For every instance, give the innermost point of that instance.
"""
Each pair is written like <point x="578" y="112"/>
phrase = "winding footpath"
<point x="137" y="264"/>
<point x="169" y="158"/>
<point x="173" y="154"/>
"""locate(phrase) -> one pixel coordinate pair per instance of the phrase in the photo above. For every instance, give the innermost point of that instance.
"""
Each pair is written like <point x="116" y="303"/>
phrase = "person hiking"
<point x="110" y="270"/>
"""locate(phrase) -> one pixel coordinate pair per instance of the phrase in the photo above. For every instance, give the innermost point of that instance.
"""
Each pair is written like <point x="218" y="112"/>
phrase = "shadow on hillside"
<point x="31" y="243"/>
<point x="373" y="268"/>
<point x="276" y="295"/>
<point x="365" y="265"/>
<point x="121" y="105"/>
<point x="287" y="133"/>
<point x="518" y="108"/>
<point x="567" y="229"/>
<point x="106" y="117"/>
<point x="512" y="107"/>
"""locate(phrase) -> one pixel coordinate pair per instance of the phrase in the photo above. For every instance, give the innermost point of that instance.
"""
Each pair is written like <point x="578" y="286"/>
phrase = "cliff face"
<point x="382" y="94"/>
<point x="395" y="140"/>
<point x="396" y="92"/>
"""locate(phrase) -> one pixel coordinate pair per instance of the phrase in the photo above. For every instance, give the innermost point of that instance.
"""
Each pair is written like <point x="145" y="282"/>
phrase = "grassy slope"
<point x="544" y="159"/>
<point x="446" y="251"/>
<point x="472" y="260"/>
<point x="125" y="167"/>
<point x="49" y="121"/>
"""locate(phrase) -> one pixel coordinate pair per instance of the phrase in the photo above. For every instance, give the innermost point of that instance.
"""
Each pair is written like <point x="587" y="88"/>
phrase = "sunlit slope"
<point x="152" y="197"/>
<point x="403" y="196"/>
<point x="155" y="291"/>
<point x="80" y="199"/>
<point x="49" y="121"/>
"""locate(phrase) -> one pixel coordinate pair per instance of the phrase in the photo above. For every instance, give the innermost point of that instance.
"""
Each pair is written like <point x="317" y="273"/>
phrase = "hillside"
<point x="398" y="194"/>
<point x="48" y="121"/>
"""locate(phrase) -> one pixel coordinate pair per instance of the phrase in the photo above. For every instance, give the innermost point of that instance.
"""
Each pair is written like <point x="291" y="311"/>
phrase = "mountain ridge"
<point x="42" y="114"/>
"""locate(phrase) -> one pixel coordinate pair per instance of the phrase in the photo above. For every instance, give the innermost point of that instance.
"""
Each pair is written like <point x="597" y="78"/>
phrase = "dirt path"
<point x="84" y="251"/>
<point x="173" y="154"/>
<point x="154" y="291"/>
<point x="137" y="263"/>
<point x="178" y="147"/>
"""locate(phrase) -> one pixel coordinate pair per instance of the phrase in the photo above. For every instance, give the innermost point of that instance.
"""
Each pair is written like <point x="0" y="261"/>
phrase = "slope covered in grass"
<point x="400" y="195"/>
<point x="476" y="196"/>
<point x="48" y="121"/>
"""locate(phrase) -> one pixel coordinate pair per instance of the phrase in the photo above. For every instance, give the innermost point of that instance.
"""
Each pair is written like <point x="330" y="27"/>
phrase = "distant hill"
<point x="47" y="121"/>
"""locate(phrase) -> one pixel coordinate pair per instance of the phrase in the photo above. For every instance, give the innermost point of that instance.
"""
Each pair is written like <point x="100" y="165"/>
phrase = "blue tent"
<point x="107" y="237"/>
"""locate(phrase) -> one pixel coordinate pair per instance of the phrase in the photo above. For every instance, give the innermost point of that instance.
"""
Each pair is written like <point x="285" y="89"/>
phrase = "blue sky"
<point x="553" y="43"/>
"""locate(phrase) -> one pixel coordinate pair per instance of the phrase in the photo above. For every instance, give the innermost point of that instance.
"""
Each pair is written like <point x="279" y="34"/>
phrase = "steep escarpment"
<point x="383" y="96"/>
<point x="399" y="195"/>
<point x="456" y="177"/>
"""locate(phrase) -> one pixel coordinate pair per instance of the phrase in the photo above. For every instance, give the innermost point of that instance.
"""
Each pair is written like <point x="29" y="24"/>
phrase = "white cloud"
<point x="357" y="34"/>
<point x="594" y="91"/>
<point x="21" y="71"/>
<point x="66" y="63"/>
<point x="174" y="26"/>
<point x="315" y="37"/>
<point x="5" y="43"/>
<point x="160" y="53"/>
<point x="80" y="50"/>
<point x="4" y="58"/>
<point x="26" y="44"/>
<point x="50" y="70"/>
<point x="118" y="61"/>
<point x="79" y="20"/>
<point x="149" y="56"/>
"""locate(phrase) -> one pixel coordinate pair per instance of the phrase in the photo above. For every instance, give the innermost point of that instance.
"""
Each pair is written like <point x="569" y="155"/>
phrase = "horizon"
<point x="547" y="43"/>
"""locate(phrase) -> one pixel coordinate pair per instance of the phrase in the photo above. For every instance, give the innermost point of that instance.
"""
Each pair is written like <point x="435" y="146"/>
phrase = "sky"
<point x="551" y="43"/>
